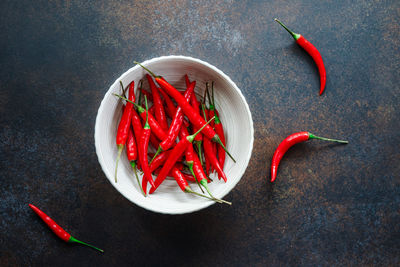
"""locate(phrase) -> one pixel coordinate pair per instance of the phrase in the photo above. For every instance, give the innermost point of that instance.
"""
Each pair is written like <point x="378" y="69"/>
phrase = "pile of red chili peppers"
<point x="168" y="115"/>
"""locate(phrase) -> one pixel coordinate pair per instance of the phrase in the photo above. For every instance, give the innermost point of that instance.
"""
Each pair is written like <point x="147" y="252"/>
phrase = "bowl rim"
<point x="204" y="204"/>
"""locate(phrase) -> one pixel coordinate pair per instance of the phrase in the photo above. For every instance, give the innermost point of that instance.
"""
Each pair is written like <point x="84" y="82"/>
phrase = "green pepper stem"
<point x="140" y="108"/>
<point x="210" y="102"/>
<point x="74" y="240"/>
<point x="123" y="89"/>
<point x="120" y="148"/>
<point x="205" y="184"/>
<point x="146" y="125"/>
<point x="296" y="36"/>
<point x="189" y="190"/>
<point x="218" y="140"/>
<point x="190" y="165"/>
<point x="205" y="95"/>
<point x="140" y="92"/>
<point x="149" y="71"/>
<point x="311" y="136"/>
<point x="190" y="138"/>
<point x="212" y="93"/>
<point x="159" y="150"/>
<point x="199" y="152"/>
<point x="133" y="164"/>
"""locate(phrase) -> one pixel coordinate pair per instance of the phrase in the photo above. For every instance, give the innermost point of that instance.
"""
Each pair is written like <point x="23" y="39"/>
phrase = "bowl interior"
<point x="234" y="114"/>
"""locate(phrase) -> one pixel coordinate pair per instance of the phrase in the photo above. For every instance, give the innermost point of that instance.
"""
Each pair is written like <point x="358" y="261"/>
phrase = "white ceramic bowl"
<point x="234" y="114"/>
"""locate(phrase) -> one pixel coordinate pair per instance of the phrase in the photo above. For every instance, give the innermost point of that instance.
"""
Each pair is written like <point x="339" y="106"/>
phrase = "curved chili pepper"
<point x="124" y="125"/>
<point x="208" y="150"/>
<point x="210" y="113"/>
<point x="152" y="112"/>
<point x="196" y="106"/>
<point x="219" y="129"/>
<point x="158" y="105"/>
<point x="206" y="159"/>
<point x="137" y="130"/>
<point x="189" y="153"/>
<point x="312" y="51"/>
<point x="170" y="109"/>
<point x="176" y="152"/>
<point x="176" y="123"/>
<point x="60" y="232"/>
<point x="143" y="147"/>
<point x="288" y="142"/>
<point x="157" y="161"/>
<point x="187" y="109"/>
<point x="132" y="153"/>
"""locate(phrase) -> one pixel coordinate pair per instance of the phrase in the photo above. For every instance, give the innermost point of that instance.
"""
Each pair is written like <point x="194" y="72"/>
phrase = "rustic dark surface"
<point x="331" y="204"/>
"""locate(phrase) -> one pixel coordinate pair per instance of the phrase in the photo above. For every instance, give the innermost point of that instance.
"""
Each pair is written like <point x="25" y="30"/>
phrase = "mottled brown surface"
<point x="330" y="205"/>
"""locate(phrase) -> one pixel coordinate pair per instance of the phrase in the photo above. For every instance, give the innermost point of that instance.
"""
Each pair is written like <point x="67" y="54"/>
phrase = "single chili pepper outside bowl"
<point x="234" y="114"/>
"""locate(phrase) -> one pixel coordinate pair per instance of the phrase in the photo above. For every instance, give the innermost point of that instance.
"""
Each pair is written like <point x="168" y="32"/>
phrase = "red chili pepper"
<point x="189" y="154"/>
<point x="218" y="129"/>
<point x="206" y="159"/>
<point x="210" y="112"/>
<point x="158" y="105"/>
<point x="312" y="51"/>
<point x="196" y="106"/>
<point x="160" y="159"/>
<point x="170" y="107"/>
<point x="289" y="142"/>
<point x="176" y="152"/>
<point x="124" y="125"/>
<point x="143" y="147"/>
<point x="152" y="112"/>
<point x="132" y="153"/>
<point x="211" y="107"/>
<point x="175" y="124"/>
<point x="61" y="233"/>
<point x="137" y="130"/>
<point x="187" y="109"/>
<point x="187" y="81"/>
<point x="213" y="159"/>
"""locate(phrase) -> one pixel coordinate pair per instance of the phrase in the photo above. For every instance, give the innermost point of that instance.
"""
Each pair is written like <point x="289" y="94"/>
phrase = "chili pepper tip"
<point x="205" y="184"/>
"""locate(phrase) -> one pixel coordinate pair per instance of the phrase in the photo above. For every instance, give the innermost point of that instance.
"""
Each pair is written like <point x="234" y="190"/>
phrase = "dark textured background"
<point x="331" y="204"/>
